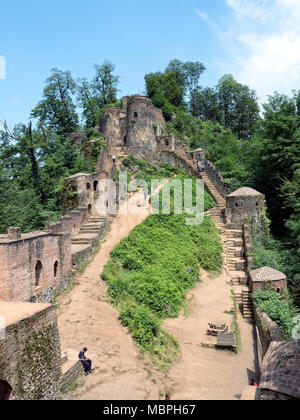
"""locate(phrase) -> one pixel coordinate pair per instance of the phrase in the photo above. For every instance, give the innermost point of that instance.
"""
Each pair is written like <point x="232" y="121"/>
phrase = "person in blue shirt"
<point x="87" y="363"/>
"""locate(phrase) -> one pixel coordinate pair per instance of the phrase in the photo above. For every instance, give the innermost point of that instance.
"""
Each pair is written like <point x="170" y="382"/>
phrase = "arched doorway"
<point x="125" y="141"/>
<point x="5" y="391"/>
<point x="96" y="186"/>
<point x="90" y="209"/>
<point x="55" y="268"/>
<point x="38" y="272"/>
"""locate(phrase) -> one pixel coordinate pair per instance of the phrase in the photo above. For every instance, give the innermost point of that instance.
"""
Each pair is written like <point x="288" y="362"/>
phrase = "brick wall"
<point x="20" y="258"/>
<point x="268" y="331"/>
<point x="216" y="177"/>
<point x="280" y="379"/>
<point x="4" y="273"/>
<point x="30" y="358"/>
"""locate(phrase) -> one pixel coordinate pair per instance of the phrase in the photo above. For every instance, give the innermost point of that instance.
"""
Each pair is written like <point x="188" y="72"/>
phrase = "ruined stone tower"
<point x="242" y="204"/>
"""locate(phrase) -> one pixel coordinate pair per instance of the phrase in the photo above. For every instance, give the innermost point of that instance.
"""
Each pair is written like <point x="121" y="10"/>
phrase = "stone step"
<point x="94" y="222"/>
<point x="89" y="231"/>
<point x="82" y="242"/>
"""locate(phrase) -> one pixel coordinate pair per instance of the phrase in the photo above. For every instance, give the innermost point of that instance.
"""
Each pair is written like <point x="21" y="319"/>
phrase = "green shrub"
<point x="142" y="324"/>
<point x="151" y="270"/>
<point x="278" y="308"/>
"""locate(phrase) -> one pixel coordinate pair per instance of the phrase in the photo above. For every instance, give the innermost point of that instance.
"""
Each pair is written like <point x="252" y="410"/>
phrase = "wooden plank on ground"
<point x="226" y="340"/>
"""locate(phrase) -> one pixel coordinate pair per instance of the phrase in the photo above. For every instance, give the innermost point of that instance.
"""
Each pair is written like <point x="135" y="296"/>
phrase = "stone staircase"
<point x="88" y="231"/>
<point x="213" y="190"/>
<point x="215" y="215"/>
<point x="119" y="152"/>
<point x="237" y="268"/>
<point x="247" y="304"/>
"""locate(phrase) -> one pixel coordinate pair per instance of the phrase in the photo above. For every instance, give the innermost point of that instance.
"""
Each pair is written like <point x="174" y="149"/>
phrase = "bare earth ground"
<point x="86" y="319"/>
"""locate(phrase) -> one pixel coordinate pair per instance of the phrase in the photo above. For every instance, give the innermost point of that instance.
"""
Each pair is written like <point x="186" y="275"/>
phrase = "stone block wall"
<point x="216" y="178"/>
<point x="248" y="247"/>
<point x="35" y="264"/>
<point x="80" y="256"/>
<point x="70" y="376"/>
<point x="144" y="124"/>
<point x="266" y="395"/>
<point x="280" y="379"/>
<point x="30" y="358"/>
<point x="268" y="331"/>
<point x="113" y="126"/>
<point x="177" y="160"/>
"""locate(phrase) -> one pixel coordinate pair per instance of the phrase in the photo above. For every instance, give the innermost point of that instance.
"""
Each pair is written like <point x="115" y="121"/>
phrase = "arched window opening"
<point x="38" y="272"/>
<point x="96" y="186"/>
<point x="55" y="268"/>
<point x="136" y="115"/>
<point x="5" y="391"/>
<point x="88" y="186"/>
<point x="125" y="141"/>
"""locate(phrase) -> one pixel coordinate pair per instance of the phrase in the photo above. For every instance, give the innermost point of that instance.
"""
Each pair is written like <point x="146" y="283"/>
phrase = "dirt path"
<point x="207" y="374"/>
<point x="86" y="319"/>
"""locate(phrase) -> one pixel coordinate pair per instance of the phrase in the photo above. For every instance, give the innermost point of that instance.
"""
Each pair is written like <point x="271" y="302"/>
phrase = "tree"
<point x="88" y="103"/>
<point x="204" y="104"/>
<point x="105" y="84"/>
<point x="280" y="151"/>
<point x="193" y="72"/>
<point x="57" y="110"/>
<point x="102" y="91"/>
<point x="169" y="89"/>
<point x="238" y="106"/>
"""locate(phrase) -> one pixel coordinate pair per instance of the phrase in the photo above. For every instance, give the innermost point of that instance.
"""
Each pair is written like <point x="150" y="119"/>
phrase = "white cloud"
<point x="271" y="58"/>
<point x="16" y="101"/>
<point x="204" y="16"/>
<point x="2" y="67"/>
<point x="251" y="9"/>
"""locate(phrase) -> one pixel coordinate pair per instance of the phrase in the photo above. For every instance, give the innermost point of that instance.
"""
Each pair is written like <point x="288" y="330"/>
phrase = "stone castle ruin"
<point x="37" y="266"/>
<point x="242" y="204"/>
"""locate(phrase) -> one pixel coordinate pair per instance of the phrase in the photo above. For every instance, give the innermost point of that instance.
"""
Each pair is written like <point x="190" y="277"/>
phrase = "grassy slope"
<point x="153" y="268"/>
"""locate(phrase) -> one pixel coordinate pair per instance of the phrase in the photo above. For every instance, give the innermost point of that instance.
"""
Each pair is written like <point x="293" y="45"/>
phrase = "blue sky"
<point x="258" y="41"/>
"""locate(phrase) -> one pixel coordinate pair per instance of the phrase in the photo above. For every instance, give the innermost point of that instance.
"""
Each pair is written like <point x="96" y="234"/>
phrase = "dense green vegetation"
<point x="249" y="149"/>
<point x="279" y="308"/>
<point x="140" y="169"/>
<point x="150" y="272"/>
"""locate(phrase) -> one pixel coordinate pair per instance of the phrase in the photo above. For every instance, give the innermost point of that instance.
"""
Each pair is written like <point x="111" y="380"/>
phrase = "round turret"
<point x="144" y="124"/>
<point x="244" y="203"/>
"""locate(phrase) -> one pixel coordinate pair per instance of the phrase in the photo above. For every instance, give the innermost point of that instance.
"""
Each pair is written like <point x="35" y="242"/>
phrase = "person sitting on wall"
<point x="114" y="159"/>
<point x="87" y="363"/>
